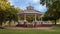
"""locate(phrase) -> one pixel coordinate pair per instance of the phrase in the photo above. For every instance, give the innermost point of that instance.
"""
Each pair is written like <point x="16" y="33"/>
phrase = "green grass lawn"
<point x="11" y="31"/>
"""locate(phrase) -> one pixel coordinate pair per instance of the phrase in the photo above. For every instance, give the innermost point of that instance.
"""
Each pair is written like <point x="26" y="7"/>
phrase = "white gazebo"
<point x="30" y="11"/>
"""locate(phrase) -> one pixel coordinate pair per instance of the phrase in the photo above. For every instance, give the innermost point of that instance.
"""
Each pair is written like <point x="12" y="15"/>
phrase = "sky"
<point x="22" y="4"/>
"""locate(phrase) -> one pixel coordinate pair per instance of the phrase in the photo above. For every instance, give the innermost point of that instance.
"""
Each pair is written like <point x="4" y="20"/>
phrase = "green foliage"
<point x="53" y="11"/>
<point x="7" y="12"/>
<point x="48" y="2"/>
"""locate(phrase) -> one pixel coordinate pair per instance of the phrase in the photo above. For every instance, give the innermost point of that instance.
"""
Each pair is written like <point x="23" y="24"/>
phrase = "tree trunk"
<point x="14" y="22"/>
<point x="9" y="22"/>
<point x="55" y="22"/>
<point x="4" y="22"/>
<point x="0" y="23"/>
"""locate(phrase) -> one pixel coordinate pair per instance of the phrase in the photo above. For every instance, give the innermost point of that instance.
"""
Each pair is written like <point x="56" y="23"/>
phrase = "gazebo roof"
<point x="30" y="10"/>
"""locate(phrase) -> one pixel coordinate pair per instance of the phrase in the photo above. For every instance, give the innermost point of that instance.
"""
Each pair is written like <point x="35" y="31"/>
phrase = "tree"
<point x="7" y="12"/>
<point x="48" y="2"/>
<point x="4" y="4"/>
<point x="12" y="12"/>
<point x="53" y="9"/>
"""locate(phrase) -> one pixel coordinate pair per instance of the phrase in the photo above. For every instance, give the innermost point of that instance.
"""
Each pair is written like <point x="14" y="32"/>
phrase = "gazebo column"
<point x="41" y="21"/>
<point x="35" y="23"/>
<point x="24" y="17"/>
<point x="25" y="22"/>
<point x="35" y="17"/>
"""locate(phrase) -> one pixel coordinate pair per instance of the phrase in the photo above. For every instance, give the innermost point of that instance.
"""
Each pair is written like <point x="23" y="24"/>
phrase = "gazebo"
<point x="31" y="12"/>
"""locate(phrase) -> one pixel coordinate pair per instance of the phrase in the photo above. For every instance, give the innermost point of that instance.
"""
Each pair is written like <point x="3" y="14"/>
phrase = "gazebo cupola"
<point x="30" y="8"/>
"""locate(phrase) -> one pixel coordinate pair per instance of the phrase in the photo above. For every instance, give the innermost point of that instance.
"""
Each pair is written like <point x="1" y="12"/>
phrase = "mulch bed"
<point x="30" y="25"/>
<point x="2" y="27"/>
